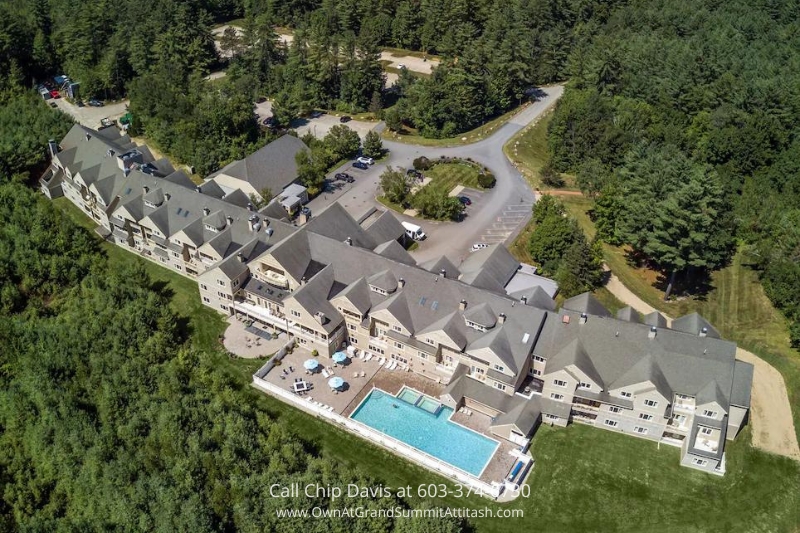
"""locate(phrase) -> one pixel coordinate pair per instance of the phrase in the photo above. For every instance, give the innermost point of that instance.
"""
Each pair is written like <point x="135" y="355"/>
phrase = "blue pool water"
<point x="429" y="433"/>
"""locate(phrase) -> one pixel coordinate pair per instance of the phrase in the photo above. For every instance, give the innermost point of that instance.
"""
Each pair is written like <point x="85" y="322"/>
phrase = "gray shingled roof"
<point x="490" y="268"/>
<point x="536" y="297"/>
<point x="525" y="416"/>
<point x="393" y="250"/>
<point x="384" y="280"/>
<point x="452" y="326"/>
<point x="629" y="314"/>
<point x="655" y="319"/>
<point x="313" y="297"/>
<point x="694" y="324"/>
<point x="358" y="294"/>
<point x="711" y="393"/>
<point x="496" y="340"/>
<point x="272" y="167"/>
<point x="742" y="384"/>
<point x="385" y="227"/>
<point x="336" y="223"/>
<point x="441" y="263"/>
<point x="645" y="369"/>
<point x="481" y="314"/>
<point x="574" y="354"/>
<point x="397" y="306"/>
<point x="585" y="303"/>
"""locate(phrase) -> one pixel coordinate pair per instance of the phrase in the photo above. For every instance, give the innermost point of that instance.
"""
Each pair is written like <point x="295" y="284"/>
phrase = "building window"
<point x="556" y="396"/>
<point x="398" y="345"/>
<point x="220" y="283"/>
<point x="499" y="385"/>
<point x="640" y="430"/>
<point x="585" y="386"/>
<point x="614" y="409"/>
<point x="430" y="341"/>
<point x="397" y="357"/>
<point x="223" y="307"/>
<point x="203" y="286"/>
<point x="175" y="254"/>
<point x="699" y="462"/>
<point x="397" y="328"/>
<point x="499" y="368"/>
<point x="709" y="414"/>
<point x="353" y="341"/>
<point x="651" y="403"/>
<point x="540" y="359"/>
<point x="706" y="431"/>
<point x="644" y="416"/>
<point x="551" y="417"/>
<point x="178" y="267"/>
<point x="236" y="283"/>
<point x="375" y="349"/>
<point x="611" y="423"/>
<point x="422" y="355"/>
<point x="559" y="383"/>
<point x="625" y="394"/>
<point x="206" y="299"/>
<point x="537" y="372"/>
<point x="295" y="313"/>
<point x="351" y="327"/>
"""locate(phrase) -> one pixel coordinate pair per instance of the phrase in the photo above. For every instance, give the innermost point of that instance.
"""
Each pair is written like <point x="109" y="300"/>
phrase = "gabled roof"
<point x="524" y="416"/>
<point x="385" y="227"/>
<point x="384" y="280"/>
<point x="357" y="293"/>
<point x="742" y="383"/>
<point x="694" y="324"/>
<point x="336" y="223"/>
<point x="216" y="220"/>
<point x="646" y="369"/>
<point x="156" y="196"/>
<point x="397" y="306"/>
<point x="574" y="354"/>
<point x="481" y="314"/>
<point x="442" y="263"/>
<point x="711" y="393"/>
<point x="585" y="303"/>
<point x="655" y="319"/>
<point x="210" y="188"/>
<point x="496" y="341"/>
<point x="179" y="177"/>
<point x="452" y="326"/>
<point x="237" y="197"/>
<point x="628" y="314"/>
<point x="393" y="250"/>
<point x="272" y="167"/>
<point x="535" y="296"/>
<point x="293" y="254"/>
<point x="313" y="297"/>
<point x="490" y="268"/>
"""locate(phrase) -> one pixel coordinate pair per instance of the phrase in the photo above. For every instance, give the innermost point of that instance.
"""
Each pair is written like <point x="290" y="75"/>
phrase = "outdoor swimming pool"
<point x="431" y="433"/>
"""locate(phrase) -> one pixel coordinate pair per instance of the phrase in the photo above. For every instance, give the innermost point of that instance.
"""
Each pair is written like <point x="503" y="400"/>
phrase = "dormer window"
<point x="475" y="325"/>
<point x="625" y="394"/>
<point x="584" y="386"/>
<point x="380" y="291"/>
<point x="499" y="368"/>
<point x="209" y="227"/>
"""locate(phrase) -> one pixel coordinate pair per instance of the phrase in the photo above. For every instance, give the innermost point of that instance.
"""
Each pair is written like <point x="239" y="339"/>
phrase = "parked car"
<point x="479" y="246"/>
<point x="345" y="119"/>
<point x="359" y="164"/>
<point x="106" y="122"/>
<point x="55" y="94"/>
<point x="269" y="121"/>
<point x="316" y="114"/>
<point x="343" y="176"/>
<point x="366" y="160"/>
<point x="465" y="200"/>
<point x="401" y="66"/>
<point x="96" y="103"/>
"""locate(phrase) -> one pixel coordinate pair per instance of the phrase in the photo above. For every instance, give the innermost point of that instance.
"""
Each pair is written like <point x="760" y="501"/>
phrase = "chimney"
<point x="167" y="196"/>
<point x="240" y="256"/>
<point x="230" y="220"/>
<point x="88" y="136"/>
<point x="126" y="171"/>
<point x="320" y="316"/>
<point x="653" y="331"/>
<point x="462" y="305"/>
<point x="704" y="332"/>
<point x="110" y="153"/>
<point x="401" y="283"/>
<point x="524" y="300"/>
<point x="349" y="241"/>
<point x="443" y="273"/>
<point x="584" y="318"/>
<point x="197" y="189"/>
<point x="145" y="189"/>
<point x="206" y="211"/>
<point x="303" y="280"/>
<point x="270" y="231"/>
<point x="501" y="318"/>
<point x="249" y="206"/>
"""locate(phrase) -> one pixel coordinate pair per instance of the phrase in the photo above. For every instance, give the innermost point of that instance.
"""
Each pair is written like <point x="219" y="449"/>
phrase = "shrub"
<point x="422" y="163"/>
<point x="551" y="177"/>
<point x="486" y="180"/>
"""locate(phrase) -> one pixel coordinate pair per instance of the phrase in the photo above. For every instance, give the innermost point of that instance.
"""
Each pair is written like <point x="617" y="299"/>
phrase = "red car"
<point x="54" y="94"/>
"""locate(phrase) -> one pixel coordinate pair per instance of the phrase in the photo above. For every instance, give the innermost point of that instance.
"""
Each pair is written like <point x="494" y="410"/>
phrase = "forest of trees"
<point x="682" y="120"/>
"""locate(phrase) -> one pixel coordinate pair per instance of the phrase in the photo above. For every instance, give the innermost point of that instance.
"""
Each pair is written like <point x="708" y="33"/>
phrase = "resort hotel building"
<point x="486" y="331"/>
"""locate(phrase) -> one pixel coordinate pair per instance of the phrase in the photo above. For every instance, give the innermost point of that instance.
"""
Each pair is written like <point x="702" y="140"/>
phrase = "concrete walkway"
<point x="770" y="410"/>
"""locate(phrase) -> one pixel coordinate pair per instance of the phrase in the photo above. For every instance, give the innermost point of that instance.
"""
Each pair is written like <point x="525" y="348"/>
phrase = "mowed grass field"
<point x="446" y="176"/>
<point x="584" y="479"/>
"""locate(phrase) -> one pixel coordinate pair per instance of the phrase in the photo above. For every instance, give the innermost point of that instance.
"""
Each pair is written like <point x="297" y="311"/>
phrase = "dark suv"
<point x="343" y="176"/>
<point x="359" y="164"/>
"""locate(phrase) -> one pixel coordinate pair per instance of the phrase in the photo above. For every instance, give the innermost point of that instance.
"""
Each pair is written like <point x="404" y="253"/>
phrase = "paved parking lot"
<point x="357" y="197"/>
<point x="505" y="223"/>
<point x="90" y="116"/>
<point x="320" y="126"/>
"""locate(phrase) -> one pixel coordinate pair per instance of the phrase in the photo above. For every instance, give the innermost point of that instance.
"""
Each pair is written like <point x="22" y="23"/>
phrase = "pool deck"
<point x="345" y="401"/>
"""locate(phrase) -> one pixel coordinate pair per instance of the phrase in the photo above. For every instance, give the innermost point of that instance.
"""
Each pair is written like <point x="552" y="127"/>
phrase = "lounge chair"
<point x="309" y="399"/>
<point x="389" y="364"/>
<point x="355" y="374"/>
<point x="368" y="357"/>
<point x="394" y="365"/>
<point x="381" y="361"/>
<point x="325" y="373"/>
<point x="363" y="374"/>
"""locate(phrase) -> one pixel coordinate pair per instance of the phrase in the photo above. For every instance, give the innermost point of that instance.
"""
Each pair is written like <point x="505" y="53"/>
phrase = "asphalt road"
<point x="496" y="217"/>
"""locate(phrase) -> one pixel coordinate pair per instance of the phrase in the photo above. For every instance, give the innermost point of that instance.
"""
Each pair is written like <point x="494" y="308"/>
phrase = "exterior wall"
<point x="736" y="419"/>
<point x="229" y="182"/>
<point x="551" y="388"/>
<point x="554" y="420"/>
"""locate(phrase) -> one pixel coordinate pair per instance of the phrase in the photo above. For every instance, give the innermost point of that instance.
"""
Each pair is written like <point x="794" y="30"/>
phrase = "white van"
<point x="414" y="231"/>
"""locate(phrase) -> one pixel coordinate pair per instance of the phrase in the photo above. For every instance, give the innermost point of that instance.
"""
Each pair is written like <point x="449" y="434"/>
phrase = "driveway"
<point x="320" y="126"/>
<point x="90" y="116"/>
<point x="417" y="64"/>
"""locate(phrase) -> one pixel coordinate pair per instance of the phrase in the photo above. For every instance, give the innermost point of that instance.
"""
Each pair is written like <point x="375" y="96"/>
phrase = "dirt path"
<point x="770" y="411"/>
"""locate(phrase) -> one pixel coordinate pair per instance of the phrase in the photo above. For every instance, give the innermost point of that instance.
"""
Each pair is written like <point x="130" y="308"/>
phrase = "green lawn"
<point x="585" y="479"/>
<point x="391" y="205"/>
<point x="446" y="176"/>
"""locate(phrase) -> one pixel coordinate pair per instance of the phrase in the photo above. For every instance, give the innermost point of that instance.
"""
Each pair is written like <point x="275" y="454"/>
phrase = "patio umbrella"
<point x="311" y="364"/>
<point x="335" y="382"/>
<point x="339" y="357"/>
